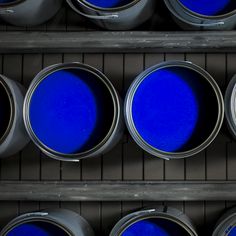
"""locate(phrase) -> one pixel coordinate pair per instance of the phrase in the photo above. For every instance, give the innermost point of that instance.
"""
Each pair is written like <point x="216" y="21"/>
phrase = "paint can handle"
<point x="209" y="24"/>
<point x="95" y="17"/>
<point x="6" y="11"/>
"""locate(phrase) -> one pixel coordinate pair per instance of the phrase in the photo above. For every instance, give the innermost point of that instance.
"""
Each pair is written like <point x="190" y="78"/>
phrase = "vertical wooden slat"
<point x="112" y="161"/>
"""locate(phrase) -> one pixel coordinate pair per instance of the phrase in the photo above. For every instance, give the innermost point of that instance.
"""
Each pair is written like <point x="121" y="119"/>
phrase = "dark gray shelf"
<point x="100" y="41"/>
<point x="117" y="191"/>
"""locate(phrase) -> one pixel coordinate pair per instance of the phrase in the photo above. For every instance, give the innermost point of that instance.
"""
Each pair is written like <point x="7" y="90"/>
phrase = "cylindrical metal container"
<point x="28" y="12"/>
<point x="203" y="14"/>
<point x="58" y="222"/>
<point x="174" y="109"/>
<point x="226" y="226"/>
<point x="13" y="136"/>
<point x="116" y="14"/>
<point x="164" y="221"/>
<point x="72" y="111"/>
<point x="230" y="106"/>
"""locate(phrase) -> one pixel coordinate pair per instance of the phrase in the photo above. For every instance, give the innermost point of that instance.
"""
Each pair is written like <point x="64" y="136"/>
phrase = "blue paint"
<point x="155" y="227"/>
<point x="232" y="232"/>
<point x="71" y="111"/>
<point x="210" y="7"/>
<point x="109" y="3"/>
<point x="37" y="229"/>
<point x="7" y="1"/>
<point x="174" y="109"/>
<point x="5" y="110"/>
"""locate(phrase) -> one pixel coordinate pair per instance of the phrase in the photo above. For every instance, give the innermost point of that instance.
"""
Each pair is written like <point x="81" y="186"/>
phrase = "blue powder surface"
<point x="145" y="228"/>
<point x="7" y="1"/>
<point x="67" y="111"/>
<point x="5" y="110"/>
<point x="210" y="7"/>
<point x="109" y="3"/>
<point x="232" y="232"/>
<point x="165" y="110"/>
<point x="37" y="229"/>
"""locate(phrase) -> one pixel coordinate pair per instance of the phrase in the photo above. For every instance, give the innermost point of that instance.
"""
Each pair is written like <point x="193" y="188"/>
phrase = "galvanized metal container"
<point x="226" y="226"/>
<point x="112" y="121"/>
<point x="230" y="106"/>
<point x="13" y="135"/>
<point x="198" y="86"/>
<point x="124" y="17"/>
<point x="67" y="223"/>
<point x="190" y="20"/>
<point x="29" y="12"/>
<point x="159" y="216"/>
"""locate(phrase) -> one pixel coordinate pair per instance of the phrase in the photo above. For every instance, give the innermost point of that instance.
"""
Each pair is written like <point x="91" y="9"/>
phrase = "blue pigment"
<point x="7" y="1"/>
<point x="155" y="227"/>
<point x="109" y="3"/>
<point x="174" y="109"/>
<point x="37" y="229"/>
<point x="232" y="232"/>
<point x="210" y="7"/>
<point x="71" y="111"/>
<point x="5" y="110"/>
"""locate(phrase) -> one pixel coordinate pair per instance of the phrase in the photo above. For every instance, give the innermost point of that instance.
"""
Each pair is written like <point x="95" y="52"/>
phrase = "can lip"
<point x="135" y="134"/>
<point x="12" y="108"/>
<point x="230" y="102"/>
<point x="31" y="219"/>
<point x="112" y="9"/>
<point x="77" y="156"/>
<point x="216" y="17"/>
<point x="227" y="220"/>
<point x="135" y="217"/>
<point x="10" y="4"/>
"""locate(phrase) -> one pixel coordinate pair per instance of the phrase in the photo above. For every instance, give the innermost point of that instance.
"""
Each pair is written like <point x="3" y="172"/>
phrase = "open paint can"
<point x="13" y="136"/>
<point x="57" y="222"/>
<point x="72" y="111"/>
<point x="115" y="14"/>
<point x="28" y="12"/>
<point x="174" y="109"/>
<point x="226" y="225"/>
<point x="203" y="14"/>
<point x="162" y="221"/>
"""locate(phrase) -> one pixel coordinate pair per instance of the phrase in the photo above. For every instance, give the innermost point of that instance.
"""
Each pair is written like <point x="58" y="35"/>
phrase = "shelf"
<point x="117" y="191"/>
<point x="122" y="42"/>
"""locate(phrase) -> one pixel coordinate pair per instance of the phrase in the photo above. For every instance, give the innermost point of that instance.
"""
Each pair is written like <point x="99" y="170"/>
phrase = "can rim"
<point x="31" y="219"/>
<point x="12" y="108"/>
<point x="135" y="217"/>
<point x="220" y="16"/>
<point x="81" y="155"/>
<point x="135" y="134"/>
<point x="112" y="9"/>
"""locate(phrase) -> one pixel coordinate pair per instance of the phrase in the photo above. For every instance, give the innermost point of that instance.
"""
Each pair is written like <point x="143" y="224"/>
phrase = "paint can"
<point x="230" y="106"/>
<point x="115" y="14"/>
<point x="226" y="226"/>
<point x="58" y="222"/>
<point x="28" y="12"/>
<point x="163" y="221"/>
<point x="174" y="109"/>
<point x="72" y="111"/>
<point x="203" y="14"/>
<point x="13" y="136"/>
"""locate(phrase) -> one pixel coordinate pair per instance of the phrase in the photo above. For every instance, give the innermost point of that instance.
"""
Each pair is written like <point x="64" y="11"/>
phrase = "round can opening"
<point x="71" y="111"/>
<point x="210" y="7"/>
<point x="37" y="227"/>
<point x="174" y="109"/>
<point x="231" y="231"/>
<point x="5" y="110"/>
<point x="108" y="4"/>
<point x="155" y="226"/>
